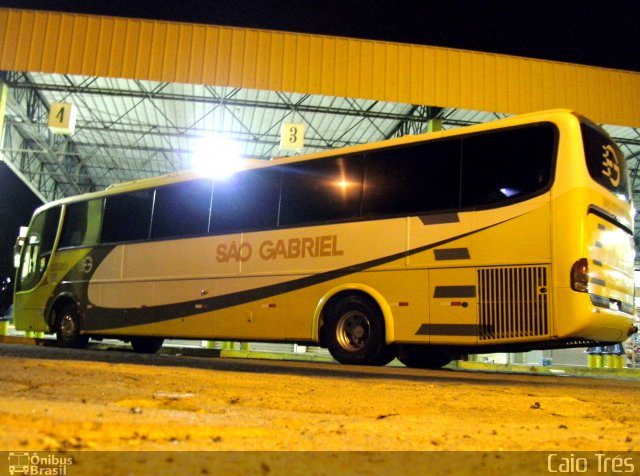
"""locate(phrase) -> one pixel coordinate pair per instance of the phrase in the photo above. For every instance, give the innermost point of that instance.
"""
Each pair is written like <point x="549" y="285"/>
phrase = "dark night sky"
<point x="17" y="203"/>
<point x="594" y="32"/>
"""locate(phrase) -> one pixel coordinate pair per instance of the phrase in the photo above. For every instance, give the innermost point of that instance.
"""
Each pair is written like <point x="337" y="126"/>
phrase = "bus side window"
<point x="413" y="179"/>
<point x="246" y="201"/>
<point x="182" y="209"/>
<point x="127" y="217"/>
<point x="81" y="224"/>
<point x="507" y="164"/>
<point x="38" y="247"/>
<point x="321" y="190"/>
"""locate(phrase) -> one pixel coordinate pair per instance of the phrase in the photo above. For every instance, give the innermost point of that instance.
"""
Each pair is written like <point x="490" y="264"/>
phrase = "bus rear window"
<point x="605" y="161"/>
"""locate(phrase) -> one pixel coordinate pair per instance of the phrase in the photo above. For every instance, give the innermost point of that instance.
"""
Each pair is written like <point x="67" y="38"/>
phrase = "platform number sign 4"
<point x="62" y="118"/>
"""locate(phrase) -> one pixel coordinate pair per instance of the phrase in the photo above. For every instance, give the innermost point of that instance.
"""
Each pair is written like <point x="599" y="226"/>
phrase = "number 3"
<point x="293" y="135"/>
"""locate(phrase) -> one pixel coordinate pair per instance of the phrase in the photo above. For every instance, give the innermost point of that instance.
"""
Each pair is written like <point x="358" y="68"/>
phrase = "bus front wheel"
<point x="68" y="328"/>
<point x="355" y="333"/>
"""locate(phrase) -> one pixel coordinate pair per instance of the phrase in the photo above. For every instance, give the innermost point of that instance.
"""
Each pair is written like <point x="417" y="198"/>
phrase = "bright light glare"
<point x="216" y="156"/>
<point x="509" y="192"/>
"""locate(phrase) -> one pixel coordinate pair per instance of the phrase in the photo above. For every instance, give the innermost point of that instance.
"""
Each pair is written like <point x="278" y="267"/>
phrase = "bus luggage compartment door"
<point x="453" y="309"/>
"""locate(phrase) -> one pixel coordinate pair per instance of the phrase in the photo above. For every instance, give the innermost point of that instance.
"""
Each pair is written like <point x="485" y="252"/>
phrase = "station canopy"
<point x="131" y="129"/>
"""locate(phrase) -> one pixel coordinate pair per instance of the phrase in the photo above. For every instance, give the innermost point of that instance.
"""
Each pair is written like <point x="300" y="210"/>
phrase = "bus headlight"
<point x="580" y="275"/>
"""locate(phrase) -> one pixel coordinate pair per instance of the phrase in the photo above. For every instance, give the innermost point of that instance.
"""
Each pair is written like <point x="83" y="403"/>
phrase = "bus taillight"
<point x="580" y="275"/>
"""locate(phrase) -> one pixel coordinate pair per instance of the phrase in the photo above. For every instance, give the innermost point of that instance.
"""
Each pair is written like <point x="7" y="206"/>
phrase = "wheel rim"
<point x="352" y="331"/>
<point x="67" y="326"/>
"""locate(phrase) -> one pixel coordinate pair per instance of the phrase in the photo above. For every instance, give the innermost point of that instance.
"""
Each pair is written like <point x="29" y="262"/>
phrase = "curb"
<point x="456" y="365"/>
<point x="468" y="366"/>
<point x="569" y="371"/>
<point x="249" y="354"/>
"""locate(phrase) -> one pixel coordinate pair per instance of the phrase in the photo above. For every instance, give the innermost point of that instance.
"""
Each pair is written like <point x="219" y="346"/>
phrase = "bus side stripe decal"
<point x="455" y="292"/>
<point x="440" y="219"/>
<point x="451" y="254"/>
<point x="101" y="318"/>
<point x="448" y="330"/>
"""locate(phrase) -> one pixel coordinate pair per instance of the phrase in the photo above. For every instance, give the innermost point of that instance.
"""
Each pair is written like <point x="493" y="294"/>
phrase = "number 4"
<point x="60" y="115"/>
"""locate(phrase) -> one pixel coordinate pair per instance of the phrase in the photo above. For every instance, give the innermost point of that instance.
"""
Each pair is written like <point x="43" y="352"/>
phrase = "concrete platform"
<point x="470" y="366"/>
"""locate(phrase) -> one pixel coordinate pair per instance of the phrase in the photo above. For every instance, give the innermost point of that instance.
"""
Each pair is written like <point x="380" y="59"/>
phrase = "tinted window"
<point x="37" y="248"/>
<point x="246" y="201"/>
<point x="82" y="224"/>
<point x="182" y="209"/>
<point x="50" y="220"/>
<point x="127" y="217"/>
<point x="413" y="179"/>
<point x="506" y="165"/>
<point x="605" y="161"/>
<point x="321" y="190"/>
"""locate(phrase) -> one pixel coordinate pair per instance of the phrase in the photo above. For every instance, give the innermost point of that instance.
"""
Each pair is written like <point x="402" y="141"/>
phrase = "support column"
<point x="4" y="91"/>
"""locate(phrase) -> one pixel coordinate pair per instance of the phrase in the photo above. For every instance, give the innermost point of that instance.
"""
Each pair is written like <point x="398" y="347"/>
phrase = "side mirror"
<point x="17" y="248"/>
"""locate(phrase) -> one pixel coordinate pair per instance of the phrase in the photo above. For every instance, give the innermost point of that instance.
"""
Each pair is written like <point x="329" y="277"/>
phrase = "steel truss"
<point x="134" y="129"/>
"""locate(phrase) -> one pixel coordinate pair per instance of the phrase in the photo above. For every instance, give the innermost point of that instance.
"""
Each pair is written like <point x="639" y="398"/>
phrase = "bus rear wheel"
<point x="419" y="357"/>
<point x="146" y="345"/>
<point x="355" y="333"/>
<point x="68" y="331"/>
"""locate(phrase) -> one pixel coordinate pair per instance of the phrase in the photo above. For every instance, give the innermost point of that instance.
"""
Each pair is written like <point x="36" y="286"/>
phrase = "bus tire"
<point x="419" y="357"/>
<point x="146" y="345"/>
<point x="68" y="328"/>
<point x="355" y="333"/>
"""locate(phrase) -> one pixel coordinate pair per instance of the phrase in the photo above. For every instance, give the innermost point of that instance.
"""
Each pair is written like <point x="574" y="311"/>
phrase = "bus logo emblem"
<point x="86" y="265"/>
<point x="610" y="165"/>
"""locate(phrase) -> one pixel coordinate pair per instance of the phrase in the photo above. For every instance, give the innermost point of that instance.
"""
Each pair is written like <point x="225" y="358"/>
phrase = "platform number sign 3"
<point x="292" y="136"/>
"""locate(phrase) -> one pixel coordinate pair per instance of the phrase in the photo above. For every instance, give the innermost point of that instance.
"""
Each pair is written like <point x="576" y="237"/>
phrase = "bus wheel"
<point x="423" y="358"/>
<point x="146" y="345"/>
<point x="68" y="328"/>
<point x="355" y="333"/>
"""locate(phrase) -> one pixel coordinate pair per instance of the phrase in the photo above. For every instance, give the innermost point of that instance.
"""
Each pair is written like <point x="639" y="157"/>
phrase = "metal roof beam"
<point x="212" y="99"/>
<point x="27" y="115"/>
<point x="416" y="121"/>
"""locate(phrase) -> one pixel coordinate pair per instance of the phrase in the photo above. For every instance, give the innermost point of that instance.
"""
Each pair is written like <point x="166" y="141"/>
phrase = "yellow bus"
<point x="506" y="236"/>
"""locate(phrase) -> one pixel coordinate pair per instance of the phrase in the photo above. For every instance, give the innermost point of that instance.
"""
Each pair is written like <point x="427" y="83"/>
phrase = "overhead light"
<point x="216" y="156"/>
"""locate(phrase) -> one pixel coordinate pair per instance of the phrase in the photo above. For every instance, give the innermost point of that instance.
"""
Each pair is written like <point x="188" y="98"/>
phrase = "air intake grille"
<point x="513" y="302"/>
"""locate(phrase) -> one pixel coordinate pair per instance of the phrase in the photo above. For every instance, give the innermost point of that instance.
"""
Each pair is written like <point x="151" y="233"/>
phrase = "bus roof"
<point x="249" y="164"/>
